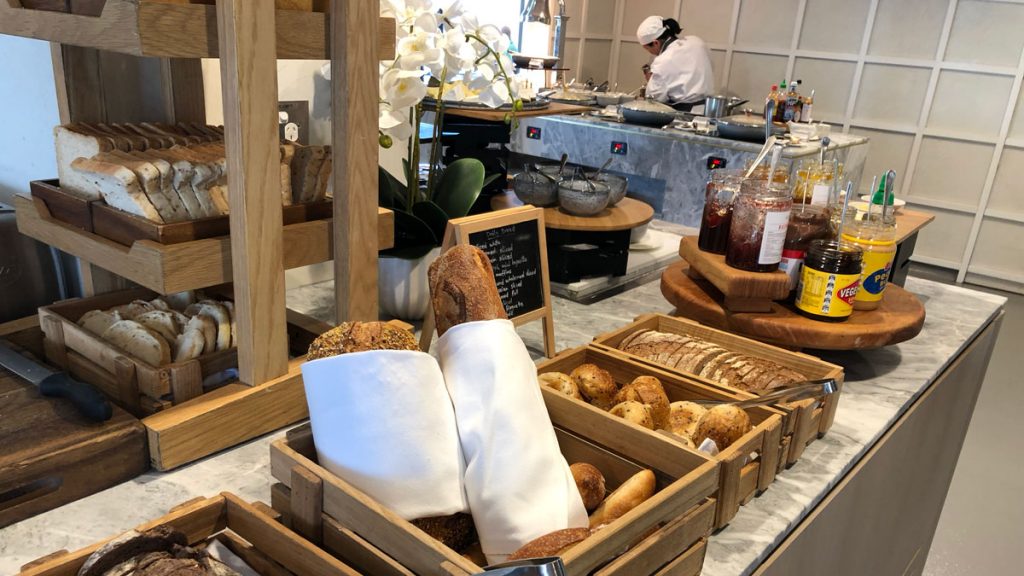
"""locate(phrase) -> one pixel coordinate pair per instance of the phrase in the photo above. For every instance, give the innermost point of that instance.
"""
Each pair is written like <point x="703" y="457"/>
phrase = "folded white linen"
<point x="518" y="483"/>
<point x="382" y="421"/>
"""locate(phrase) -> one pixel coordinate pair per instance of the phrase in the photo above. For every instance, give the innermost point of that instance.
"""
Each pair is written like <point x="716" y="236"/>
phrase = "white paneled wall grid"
<point x="935" y="84"/>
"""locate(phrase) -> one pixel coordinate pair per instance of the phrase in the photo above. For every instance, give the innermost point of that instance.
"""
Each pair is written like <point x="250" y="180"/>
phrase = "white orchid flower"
<point x="418" y="50"/>
<point x="495" y="95"/>
<point x="402" y="88"/>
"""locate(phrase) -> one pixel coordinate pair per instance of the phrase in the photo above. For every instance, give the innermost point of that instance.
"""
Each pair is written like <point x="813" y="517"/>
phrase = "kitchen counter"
<point x="883" y="388"/>
<point x="666" y="167"/>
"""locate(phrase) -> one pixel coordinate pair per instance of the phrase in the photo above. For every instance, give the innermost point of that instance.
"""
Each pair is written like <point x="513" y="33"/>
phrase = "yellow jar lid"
<point x="856" y="240"/>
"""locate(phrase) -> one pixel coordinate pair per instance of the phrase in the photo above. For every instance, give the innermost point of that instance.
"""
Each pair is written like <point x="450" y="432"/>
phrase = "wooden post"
<point x="248" y="66"/>
<point x="354" y="64"/>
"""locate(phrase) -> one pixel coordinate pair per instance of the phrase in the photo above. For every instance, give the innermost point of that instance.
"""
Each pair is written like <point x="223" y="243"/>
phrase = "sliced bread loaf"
<point x="118" y="185"/>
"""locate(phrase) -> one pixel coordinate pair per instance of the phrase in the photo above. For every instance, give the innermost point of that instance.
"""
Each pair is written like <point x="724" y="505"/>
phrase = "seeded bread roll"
<point x="635" y="412"/>
<point x="560" y="382"/>
<point x="590" y="483"/>
<point x="462" y="288"/>
<point x="683" y="418"/>
<point x="596" y="385"/>
<point x="724" y="424"/>
<point x="647" y="390"/>
<point x="552" y="544"/>
<point x="361" y="337"/>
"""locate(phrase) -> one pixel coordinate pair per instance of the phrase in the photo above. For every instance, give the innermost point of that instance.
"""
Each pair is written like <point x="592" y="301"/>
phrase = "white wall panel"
<point x="1008" y="188"/>
<point x="891" y="94"/>
<point x="907" y="28"/>
<point x="987" y="33"/>
<point x="574" y="10"/>
<point x="709" y="19"/>
<point x="571" y="57"/>
<point x="718" y="66"/>
<point x="1000" y="247"/>
<point x="970" y="103"/>
<point x="752" y="75"/>
<point x="888" y="151"/>
<point x="766" y="23"/>
<point x="830" y="80"/>
<point x="1017" y="125"/>
<point x="631" y="58"/>
<point x="637" y="10"/>
<point x="951" y="171"/>
<point x="945" y="238"/>
<point x="833" y="25"/>
<point x="596" y="58"/>
<point x="601" y="17"/>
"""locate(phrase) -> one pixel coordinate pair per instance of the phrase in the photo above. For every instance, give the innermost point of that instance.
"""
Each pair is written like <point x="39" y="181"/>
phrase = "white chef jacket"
<point x="682" y="72"/>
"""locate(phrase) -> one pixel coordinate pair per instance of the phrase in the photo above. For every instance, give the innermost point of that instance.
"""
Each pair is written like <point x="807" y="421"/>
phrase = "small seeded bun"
<point x="634" y="412"/>
<point x="724" y="424"/>
<point x="596" y="385"/>
<point x="361" y="337"/>
<point x="683" y="418"/>
<point x="647" y="390"/>
<point x="560" y="382"/>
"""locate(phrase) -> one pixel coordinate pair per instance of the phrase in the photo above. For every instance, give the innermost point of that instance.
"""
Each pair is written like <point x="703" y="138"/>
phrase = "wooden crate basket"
<point x="804" y="421"/>
<point x="249" y="530"/>
<point x="664" y="533"/>
<point x="133" y="384"/>
<point x="747" y="467"/>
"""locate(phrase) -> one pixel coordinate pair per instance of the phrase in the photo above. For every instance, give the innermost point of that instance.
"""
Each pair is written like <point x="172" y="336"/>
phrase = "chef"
<point x="680" y="74"/>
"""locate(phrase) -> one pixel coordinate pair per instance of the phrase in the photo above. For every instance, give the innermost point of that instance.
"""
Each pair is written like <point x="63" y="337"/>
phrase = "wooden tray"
<point x="51" y="454"/>
<point x="804" y="421"/>
<point x="743" y="291"/>
<point x="684" y="483"/>
<point x="249" y="530"/>
<point x="740" y="477"/>
<point x="167" y="268"/>
<point x="900" y="317"/>
<point x="171" y="29"/>
<point x="124" y="228"/>
<point x="136" y="386"/>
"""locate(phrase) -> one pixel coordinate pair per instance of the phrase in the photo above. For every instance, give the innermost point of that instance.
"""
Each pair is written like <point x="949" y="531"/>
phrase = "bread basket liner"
<point x="518" y="483"/>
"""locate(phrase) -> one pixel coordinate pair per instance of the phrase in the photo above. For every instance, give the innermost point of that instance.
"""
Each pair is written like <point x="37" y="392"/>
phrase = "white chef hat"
<point x="650" y="29"/>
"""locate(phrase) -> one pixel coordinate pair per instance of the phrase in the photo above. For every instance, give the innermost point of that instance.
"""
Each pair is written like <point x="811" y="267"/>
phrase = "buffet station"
<point x="778" y="388"/>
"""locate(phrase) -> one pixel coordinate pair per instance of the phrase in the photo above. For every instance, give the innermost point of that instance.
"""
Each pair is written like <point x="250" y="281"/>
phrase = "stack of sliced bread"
<point x="172" y="173"/>
<point x="176" y="327"/>
<point x="698" y="356"/>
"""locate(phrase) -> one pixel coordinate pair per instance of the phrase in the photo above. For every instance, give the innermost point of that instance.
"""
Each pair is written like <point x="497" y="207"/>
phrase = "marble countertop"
<point x="880" y="386"/>
<point x="838" y="140"/>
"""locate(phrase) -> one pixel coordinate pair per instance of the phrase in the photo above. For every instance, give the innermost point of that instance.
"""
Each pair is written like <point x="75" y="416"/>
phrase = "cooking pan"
<point x="648" y="113"/>
<point x="721" y="106"/>
<point x="746" y="127"/>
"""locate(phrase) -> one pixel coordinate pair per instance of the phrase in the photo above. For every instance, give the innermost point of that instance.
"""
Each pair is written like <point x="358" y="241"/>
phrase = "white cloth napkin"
<point x="518" y="483"/>
<point x="383" y="421"/>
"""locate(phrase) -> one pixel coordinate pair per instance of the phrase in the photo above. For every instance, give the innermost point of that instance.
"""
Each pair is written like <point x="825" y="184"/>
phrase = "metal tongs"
<point x="809" y="389"/>
<point x="550" y="566"/>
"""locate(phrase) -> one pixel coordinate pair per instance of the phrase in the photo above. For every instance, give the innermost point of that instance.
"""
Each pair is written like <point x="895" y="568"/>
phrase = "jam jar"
<point x="760" y="217"/>
<point x="721" y="190"/>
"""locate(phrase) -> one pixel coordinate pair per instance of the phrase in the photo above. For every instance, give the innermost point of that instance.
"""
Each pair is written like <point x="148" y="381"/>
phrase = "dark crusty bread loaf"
<point x="590" y="482"/>
<point x="361" y="337"/>
<point x="462" y="288"/>
<point x="551" y="544"/>
<point x="695" y="355"/>
<point x="455" y="531"/>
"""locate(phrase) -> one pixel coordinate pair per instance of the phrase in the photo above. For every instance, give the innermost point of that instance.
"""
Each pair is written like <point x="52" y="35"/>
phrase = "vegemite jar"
<point x="829" y="280"/>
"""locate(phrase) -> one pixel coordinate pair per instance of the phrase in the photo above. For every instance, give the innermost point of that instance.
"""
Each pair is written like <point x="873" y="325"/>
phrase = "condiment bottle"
<point x="780" y="103"/>
<point x="760" y="217"/>
<point x="829" y="281"/>
<point x="805" y="114"/>
<point x="721" y="190"/>
<point x="877" y="238"/>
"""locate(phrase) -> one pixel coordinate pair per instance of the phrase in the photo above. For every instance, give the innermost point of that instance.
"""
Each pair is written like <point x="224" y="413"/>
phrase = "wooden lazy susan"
<point x="899" y="318"/>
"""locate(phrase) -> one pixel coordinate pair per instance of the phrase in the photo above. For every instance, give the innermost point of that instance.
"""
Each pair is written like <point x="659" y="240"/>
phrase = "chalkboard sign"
<point x="514" y="241"/>
<point x="514" y="251"/>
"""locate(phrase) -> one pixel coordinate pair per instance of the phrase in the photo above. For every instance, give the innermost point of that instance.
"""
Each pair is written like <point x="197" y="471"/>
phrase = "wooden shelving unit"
<point x="248" y="36"/>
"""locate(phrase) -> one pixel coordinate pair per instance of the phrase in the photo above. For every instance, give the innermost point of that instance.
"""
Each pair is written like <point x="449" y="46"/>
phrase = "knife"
<point x="809" y="389"/>
<point x="89" y="401"/>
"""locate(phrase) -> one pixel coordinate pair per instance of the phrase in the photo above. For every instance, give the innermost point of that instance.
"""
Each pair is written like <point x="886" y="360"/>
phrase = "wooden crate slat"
<point x="173" y="30"/>
<point x="185" y="266"/>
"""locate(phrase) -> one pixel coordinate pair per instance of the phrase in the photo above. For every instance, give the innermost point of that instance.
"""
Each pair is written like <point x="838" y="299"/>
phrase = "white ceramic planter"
<point x="402" y="287"/>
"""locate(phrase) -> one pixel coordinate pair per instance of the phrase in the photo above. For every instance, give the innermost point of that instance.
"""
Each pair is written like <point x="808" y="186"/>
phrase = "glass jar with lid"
<point x="760" y="219"/>
<point x="721" y="190"/>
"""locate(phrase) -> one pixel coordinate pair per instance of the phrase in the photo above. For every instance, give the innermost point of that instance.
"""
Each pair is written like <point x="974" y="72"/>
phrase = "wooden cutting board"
<point x="899" y="318"/>
<point x="733" y="282"/>
<point x="51" y="455"/>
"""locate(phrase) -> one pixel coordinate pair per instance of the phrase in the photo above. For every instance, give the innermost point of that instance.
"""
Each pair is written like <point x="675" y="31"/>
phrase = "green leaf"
<point x="432" y="215"/>
<point x="459" y="187"/>
<point x="390" y="192"/>
<point x="412" y="232"/>
<point x="489" y="179"/>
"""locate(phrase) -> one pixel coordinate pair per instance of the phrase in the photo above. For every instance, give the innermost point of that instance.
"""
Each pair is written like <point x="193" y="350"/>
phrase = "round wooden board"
<point x="626" y="215"/>
<point x="899" y="318"/>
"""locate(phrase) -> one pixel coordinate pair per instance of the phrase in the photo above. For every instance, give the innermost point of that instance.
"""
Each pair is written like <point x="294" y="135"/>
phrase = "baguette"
<point x="629" y="495"/>
<point x="119" y="187"/>
<point x="462" y="288"/>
